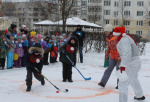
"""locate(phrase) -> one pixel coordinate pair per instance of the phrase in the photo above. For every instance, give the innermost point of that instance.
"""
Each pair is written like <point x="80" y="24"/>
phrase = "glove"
<point x="64" y="52"/>
<point x="122" y="69"/>
<point x="107" y="57"/>
<point x="39" y="73"/>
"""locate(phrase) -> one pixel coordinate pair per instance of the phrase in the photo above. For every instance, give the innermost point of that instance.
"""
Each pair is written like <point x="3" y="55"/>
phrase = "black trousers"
<point x="45" y="59"/>
<point x="29" y="77"/>
<point x="2" y="62"/>
<point x="67" y="71"/>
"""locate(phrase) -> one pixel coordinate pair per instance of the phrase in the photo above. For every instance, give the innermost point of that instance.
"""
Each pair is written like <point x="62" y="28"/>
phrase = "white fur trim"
<point x="116" y="33"/>
<point x="124" y="34"/>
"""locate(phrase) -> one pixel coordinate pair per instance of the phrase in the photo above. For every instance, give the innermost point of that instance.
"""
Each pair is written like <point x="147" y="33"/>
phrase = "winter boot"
<point x="43" y="82"/>
<point x="141" y="98"/>
<point x="28" y="88"/>
<point x="101" y="84"/>
<point x="64" y="80"/>
<point x="116" y="87"/>
<point x="70" y="80"/>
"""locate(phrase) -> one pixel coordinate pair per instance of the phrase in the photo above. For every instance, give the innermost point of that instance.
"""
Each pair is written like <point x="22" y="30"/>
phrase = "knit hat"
<point x="6" y="31"/>
<point x="53" y="36"/>
<point x="79" y="26"/>
<point x="23" y="26"/>
<point x="12" y="26"/>
<point x="23" y="35"/>
<point x="108" y="28"/>
<point x="119" y="30"/>
<point x="37" y="45"/>
<point x="33" y="33"/>
<point x="18" y="37"/>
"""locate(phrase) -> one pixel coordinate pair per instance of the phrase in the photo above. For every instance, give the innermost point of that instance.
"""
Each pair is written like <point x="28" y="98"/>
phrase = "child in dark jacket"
<point x="69" y="49"/>
<point x="34" y="60"/>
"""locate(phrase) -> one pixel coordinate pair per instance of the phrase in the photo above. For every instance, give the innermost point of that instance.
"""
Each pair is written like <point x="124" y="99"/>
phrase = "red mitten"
<point x="38" y="74"/>
<point x="122" y="69"/>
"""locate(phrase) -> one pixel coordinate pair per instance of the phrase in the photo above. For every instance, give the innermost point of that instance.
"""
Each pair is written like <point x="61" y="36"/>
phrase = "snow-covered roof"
<point x="45" y="22"/>
<point x="74" y="21"/>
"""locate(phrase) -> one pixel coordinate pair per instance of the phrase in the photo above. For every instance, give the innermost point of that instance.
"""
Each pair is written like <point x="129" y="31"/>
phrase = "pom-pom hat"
<point x="119" y="30"/>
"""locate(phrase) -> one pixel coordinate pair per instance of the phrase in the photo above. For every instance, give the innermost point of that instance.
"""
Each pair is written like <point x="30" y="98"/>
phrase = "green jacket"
<point x="72" y="56"/>
<point x="2" y="49"/>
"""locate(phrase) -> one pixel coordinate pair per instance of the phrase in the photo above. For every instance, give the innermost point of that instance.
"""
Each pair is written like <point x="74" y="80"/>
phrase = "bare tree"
<point x="123" y="14"/>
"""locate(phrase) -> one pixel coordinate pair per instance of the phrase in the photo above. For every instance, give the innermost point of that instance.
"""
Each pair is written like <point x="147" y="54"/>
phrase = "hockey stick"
<point x="78" y="69"/>
<point x="61" y="90"/>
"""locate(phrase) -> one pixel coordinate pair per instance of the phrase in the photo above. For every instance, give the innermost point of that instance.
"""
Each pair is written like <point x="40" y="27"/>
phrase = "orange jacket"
<point x="112" y="48"/>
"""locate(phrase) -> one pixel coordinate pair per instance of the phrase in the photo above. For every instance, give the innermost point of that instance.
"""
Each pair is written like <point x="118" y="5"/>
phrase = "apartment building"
<point x="0" y="8"/>
<point x="28" y="13"/>
<point x="89" y="10"/>
<point x="133" y="14"/>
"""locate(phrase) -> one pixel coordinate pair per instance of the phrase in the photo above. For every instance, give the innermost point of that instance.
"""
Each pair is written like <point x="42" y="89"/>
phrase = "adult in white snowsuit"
<point x="130" y="64"/>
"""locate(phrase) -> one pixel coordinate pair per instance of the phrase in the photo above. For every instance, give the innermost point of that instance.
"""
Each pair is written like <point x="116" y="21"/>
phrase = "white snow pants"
<point x="132" y="73"/>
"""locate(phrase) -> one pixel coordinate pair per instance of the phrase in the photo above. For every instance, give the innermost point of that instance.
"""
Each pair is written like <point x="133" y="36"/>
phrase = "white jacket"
<point x="129" y="53"/>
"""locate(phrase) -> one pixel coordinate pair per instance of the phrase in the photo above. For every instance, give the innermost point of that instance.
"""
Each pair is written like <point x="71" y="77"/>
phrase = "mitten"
<point x="107" y="57"/>
<point x="64" y="52"/>
<point x="122" y="69"/>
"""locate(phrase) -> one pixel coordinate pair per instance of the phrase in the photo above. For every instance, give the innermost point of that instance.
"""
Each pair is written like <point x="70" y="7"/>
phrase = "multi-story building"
<point x="0" y="8"/>
<point x="133" y="14"/>
<point x="88" y="10"/>
<point x="28" y="13"/>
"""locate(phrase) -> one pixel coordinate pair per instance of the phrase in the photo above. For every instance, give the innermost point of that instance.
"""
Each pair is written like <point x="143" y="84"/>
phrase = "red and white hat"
<point x="119" y="30"/>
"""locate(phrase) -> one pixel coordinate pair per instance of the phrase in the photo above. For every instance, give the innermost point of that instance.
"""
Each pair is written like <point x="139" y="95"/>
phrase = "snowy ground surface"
<point x="12" y="83"/>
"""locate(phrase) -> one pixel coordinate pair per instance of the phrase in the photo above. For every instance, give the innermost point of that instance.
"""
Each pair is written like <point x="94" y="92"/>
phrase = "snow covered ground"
<point x="12" y="83"/>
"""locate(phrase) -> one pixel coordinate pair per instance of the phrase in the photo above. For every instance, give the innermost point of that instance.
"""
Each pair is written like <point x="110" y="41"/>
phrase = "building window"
<point x="107" y="3"/>
<point x="149" y="23"/>
<point x="139" y="23"/>
<point x="128" y="31"/>
<point x="106" y="12"/>
<point x="76" y="4"/>
<point x="115" y="22"/>
<point x="75" y="12"/>
<point x="139" y="33"/>
<point x="116" y="3"/>
<point x="83" y="3"/>
<point x="127" y="3"/>
<point x="83" y="12"/>
<point x="148" y="33"/>
<point x="115" y="13"/>
<point x="140" y="3"/>
<point x="139" y="13"/>
<point x="126" y="23"/>
<point x="127" y="13"/>
<point x="107" y="21"/>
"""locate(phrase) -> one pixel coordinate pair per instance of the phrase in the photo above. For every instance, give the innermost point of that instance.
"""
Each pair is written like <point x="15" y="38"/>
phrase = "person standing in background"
<point x="80" y="36"/>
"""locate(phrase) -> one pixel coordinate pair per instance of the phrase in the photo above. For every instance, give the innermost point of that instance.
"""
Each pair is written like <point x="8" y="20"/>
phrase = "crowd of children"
<point x="14" y="46"/>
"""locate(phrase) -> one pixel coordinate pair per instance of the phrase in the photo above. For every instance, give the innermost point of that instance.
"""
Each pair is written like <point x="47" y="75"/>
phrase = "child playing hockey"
<point x="33" y="60"/>
<point x="70" y="50"/>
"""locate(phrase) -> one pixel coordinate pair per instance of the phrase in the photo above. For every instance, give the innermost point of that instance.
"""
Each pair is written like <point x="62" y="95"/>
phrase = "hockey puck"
<point x="67" y="90"/>
<point x="57" y="91"/>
